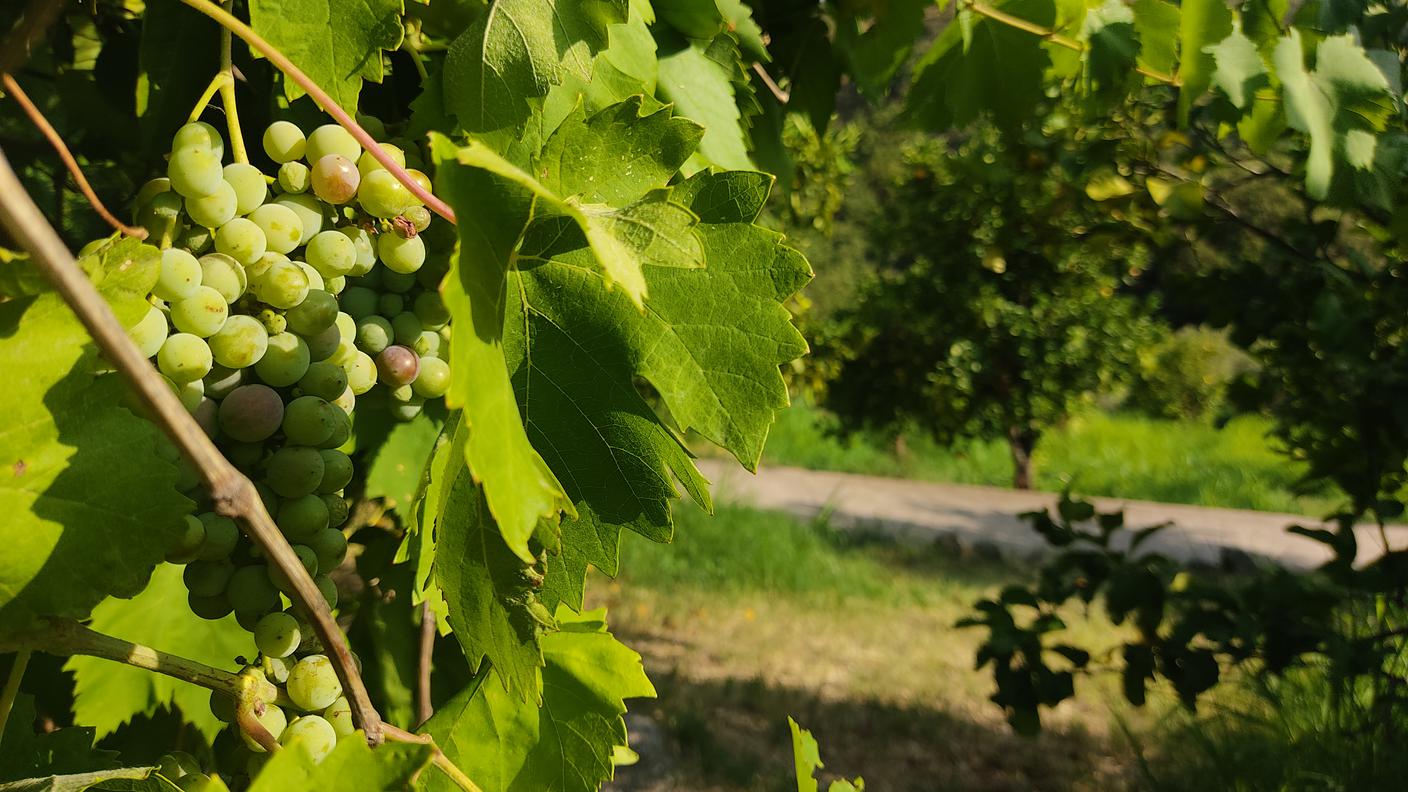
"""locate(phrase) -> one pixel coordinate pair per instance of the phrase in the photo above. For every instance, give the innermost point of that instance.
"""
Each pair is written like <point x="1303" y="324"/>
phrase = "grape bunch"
<point x="283" y="302"/>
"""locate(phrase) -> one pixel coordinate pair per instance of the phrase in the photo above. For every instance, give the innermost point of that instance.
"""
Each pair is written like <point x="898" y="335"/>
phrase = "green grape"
<point x="337" y="471"/>
<point x="195" y="239"/>
<point x="346" y="325"/>
<point x="240" y="343"/>
<point x="184" y="357"/>
<point x="359" y="302"/>
<point x="190" y="393"/>
<point x="330" y="547"/>
<point x="251" y="592"/>
<point x="331" y="139"/>
<point x="201" y="135"/>
<point x="381" y="195"/>
<point x="391" y="304"/>
<point x="192" y="537"/>
<point x="407" y="410"/>
<point x="315" y="281"/>
<point x="428" y="344"/>
<point x="294" y="178"/>
<point x="249" y="184"/>
<point x="418" y="217"/>
<point x="267" y="496"/>
<point x="325" y="380"/>
<point x="277" y="635"/>
<point x="316" y="313"/>
<point x="335" y="179"/>
<point x="221" y="381"/>
<point x="224" y="274"/>
<point x="282" y="227"/>
<point x="283" y="285"/>
<point x="198" y="782"/>
<point x="260" y="268"/>
<point x="311" y="736"/>
<point x="302" y="517"/>
<point x="328" y="589"/>
<point x="221" y="536"/>
<point x="222" y="706"/>
<point x="273" y="321"/>
<point x="374" y="334"/>
<point x="434" y="378"/>
<point x="241" y="240"/>
<point x="347" y="400"/>
<point x="361" y="374"/>
<point x="284" y="141"/>
<point x="309" y="211"/>
<point x="294" y="471"/>
<point x="209" y="608"/>
<point x="398" y="282"/>
<point x="401" y="255"/>
<point x="338" y="511"/>
<point x="332" y="253"/>
<point x="406" y="328"/>
<point x="276" y="668"/>
<point x="285" y="362"/>
<point x="372" y="125"/>
<point x="313" y="684"/>
<point x="161" y="217"/>
<point x="339" y="714"/>
<point x="366" y="250"/>
<point x="325" y="344"/>
<point x="202" y="314"/>
<point x="309" y="420"/>
<point x="309" y="561"/>
<point x="251" y="413"/>
<point x="401" y="393"/>
<point x="345" y="354"/>
<point x="243" y="455"/>
<point x="342" y="429"/>
<point x="397" y="366"/>
<point x="215" y="209"/>
<point x="150" y="332"/>
<point x="207" y="578"/>
<point x="421" y="179"/>
<point x="337" y="283"/>
<point x="194" y="171"/>
<point x="150" y="190"/>
<point x="273" y="720"/>
<point x="430" y="307"/>
<point x="179" y="276"/>
<point x="367" y="163"/>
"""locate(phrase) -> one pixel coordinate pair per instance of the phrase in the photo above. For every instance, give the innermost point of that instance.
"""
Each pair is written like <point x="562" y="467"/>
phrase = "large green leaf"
<point x="351" y="767"/>
<point x="398" y="463"/>
<point x="109" y="694"/>
<point x="1238" y="69"/>
<point x="1203" y="23"/>
<point x="90" y="503"/>
<point x="701" y="79"/>
<point x="565" y="745"/>
<point x="1157" y="23"/>
<point x="337" y="43"/>
<point x="26" y="754"/>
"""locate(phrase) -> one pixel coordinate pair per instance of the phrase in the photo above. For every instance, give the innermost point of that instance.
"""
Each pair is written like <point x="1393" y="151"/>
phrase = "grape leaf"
<point x="700" y="78"/>
<point x="806" y="759"/>
<point x="125" y="779"/>
<point x="875" y="55"/>
<point x="516" y="51"/>
<point x="1239" y="71"/>
<point x="1157" y="23"/>
<point x="351" y="767"/>
<point x="25" y="754"/>
<point x="180" y="51"/>
<point x="1202" y="23"/>
<point x="80" y="475"/>
<point x="705" y="19"/>
<point x="1112" y="47"/>
<point x="492" y="602"/>
<point x="108" y="694"/>
<point x="565" y="745"/>
<point x="384" y="636"/>
<point x="398" y="463"/>
<point x="337" y="43"/>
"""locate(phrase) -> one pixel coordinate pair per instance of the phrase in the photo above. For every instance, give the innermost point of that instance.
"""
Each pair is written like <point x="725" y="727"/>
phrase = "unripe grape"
<point x="401" y="255"/>
<point x="215" y="209"/>
<point x="309" y="561"/>
<point x="359" y="302"/>
<point x="430" y="307"/>
<point x="150" y="332"/>
<point x="407" y="410"/>
<point x="312" y="736"/>
<point x="200" y="135"/>
<point x="195" y="239"/>
<point x="223" y="274"/>
<point x="397" y="366"/>
<point x="397" y="282"/>
<point x="331" y="139"/>
<point x="367" y="163"/>
<point x="194" y="171"/>
<point x="366" y="250"/>
<point x="325" y="344"/>
<point x="418" y="217"/>
<point x="381" y="195"/>
<point x="189" y="393"/>
<point x="207" y="578"/>
<point x="184" y="357"/>
<point x="209" y="608"/>
<point x="391" y="304"/>
<point x="309" y="211"/>
<point x="240" y="343"/>
<point x="338" y="511"/>
<point x="221" y="381"/>
<point x="345" y="354"/>
<point x="346" y="325"/>
<point x="309" y="420"/>
<point x="294" y="471"/>
<point x="434" y="378"/>
<point x="285" y="361"/>
<point x="330" y="547"/>
<point x="294" y="177"/>
<point x="342" y="430"/>
<point x="161" y="217"/>
<point x="272" y="321"/>
<point x="332" y="253"/>
<point x="277" y="635"/>
<point x="282" y="227"/>
<point x="315" y="281"/>
<point x="374" y="334"/>
<point x="325" y="380"/>
<point x="328" y="589"/>
<point x="201" y="314"/>
<point x="242" y="240"/>
<point x="251" y="592"/>
<point x="250" y="188"/>
<point x="283" y="285"/>
<point x="222" y="706"/>
<point x="150" y="190"/>
<point x="347" y="400"/>
<point x="273" y="720"/>
<point x="301" y="518"/>
<point x="428" y="344"/>
<point x="420" y="178"/>
<point x="314" y="314"/>
<point x="406" y="328"/>
<point x="179" y="277"/>
<point x="335" y="179"/>
<point x="221" y="536"/>
<point x="372" y="126"/>
<point x="337" y="471"/>
<point x="190" y="541"/>
<point x="339" y="714"/>
<point x="284" y="141"/>
<point x="337" y="283"/>
<point x="276" y="668"/>
<point x="251" y="413"/>
<point x="361" y="374"/>
<point x="313" y="684"/>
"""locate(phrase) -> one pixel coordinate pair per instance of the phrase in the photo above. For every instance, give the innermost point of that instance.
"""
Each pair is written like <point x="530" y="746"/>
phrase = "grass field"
<point x="1117" y="455"/>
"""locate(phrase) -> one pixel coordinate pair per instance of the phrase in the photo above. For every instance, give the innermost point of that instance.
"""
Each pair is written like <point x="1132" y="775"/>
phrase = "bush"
<point x="1187" y="374"/>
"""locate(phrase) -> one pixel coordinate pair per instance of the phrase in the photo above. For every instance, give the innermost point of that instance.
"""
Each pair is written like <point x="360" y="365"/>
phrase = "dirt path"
<point x="985" y="518"/>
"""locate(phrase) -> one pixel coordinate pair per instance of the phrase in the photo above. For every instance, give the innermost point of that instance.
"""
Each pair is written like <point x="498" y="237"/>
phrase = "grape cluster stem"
<point x="12" y="687"/>
<point x="233" y="494"/>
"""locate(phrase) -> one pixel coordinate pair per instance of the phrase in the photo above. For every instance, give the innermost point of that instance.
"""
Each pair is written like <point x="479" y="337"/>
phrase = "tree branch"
<point x="233" y="494"/>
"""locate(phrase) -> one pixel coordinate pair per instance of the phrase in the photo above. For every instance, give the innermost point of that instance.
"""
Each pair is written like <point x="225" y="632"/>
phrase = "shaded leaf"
<point x="337" y="43"/>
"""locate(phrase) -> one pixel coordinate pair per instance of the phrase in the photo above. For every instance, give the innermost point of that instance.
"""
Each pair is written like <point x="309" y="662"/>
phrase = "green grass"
<point x="1117" y="455"/>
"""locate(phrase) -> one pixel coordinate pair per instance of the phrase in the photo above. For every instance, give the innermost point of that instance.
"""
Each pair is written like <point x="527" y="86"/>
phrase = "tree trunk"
<point x="1021" y="442"/>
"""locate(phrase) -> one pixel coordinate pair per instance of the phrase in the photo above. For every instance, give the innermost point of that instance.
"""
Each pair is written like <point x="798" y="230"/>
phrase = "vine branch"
<point x="437" y="756"/>
<point x="233" y="494"/>
<point x="232" y="23"/>
<point x="12" y="87"/>
<point x="12" y="688"/>
<point x="424" y="709"/>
